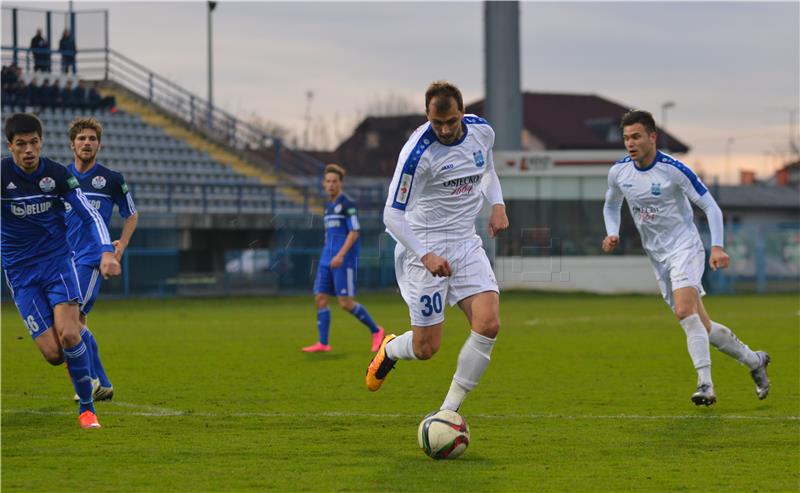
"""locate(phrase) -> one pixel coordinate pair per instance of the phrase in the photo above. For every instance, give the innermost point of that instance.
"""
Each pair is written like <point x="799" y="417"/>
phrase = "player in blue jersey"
<point x="336" y="273"/>
<point x="658" y="189"/>
<point x="37" y="261"/>
<point x="103" y="188"/>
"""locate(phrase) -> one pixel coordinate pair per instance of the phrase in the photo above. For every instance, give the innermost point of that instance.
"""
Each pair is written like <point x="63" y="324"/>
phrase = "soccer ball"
<point x="443" y="435"/>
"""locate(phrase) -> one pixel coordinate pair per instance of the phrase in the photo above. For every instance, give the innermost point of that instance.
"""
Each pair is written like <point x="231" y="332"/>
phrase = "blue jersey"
<point x="341" y="217"/>
<point x="103" y="188"/>
<point x="33" y="227"/>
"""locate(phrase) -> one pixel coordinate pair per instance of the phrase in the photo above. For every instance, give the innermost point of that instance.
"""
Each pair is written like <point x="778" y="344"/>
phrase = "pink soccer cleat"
<point x="377" y="338"/>
<point x="317" y="348"/>
<point x="88" y="420"/>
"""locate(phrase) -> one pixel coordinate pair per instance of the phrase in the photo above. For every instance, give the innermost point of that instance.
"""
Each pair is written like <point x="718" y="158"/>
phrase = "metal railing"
<point x="218" y="125"/>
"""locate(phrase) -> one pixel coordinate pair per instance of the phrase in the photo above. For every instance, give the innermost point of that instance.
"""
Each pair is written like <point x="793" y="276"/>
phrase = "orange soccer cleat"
<point x="380" y="366"/>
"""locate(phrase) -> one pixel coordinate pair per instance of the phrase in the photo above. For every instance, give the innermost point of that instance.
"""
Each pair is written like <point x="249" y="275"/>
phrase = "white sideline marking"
<point x="154" y="411"/>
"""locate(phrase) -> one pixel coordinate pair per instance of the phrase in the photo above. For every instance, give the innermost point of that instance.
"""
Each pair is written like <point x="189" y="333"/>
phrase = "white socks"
<point x="697" y="343"/>
<point x="401" y="347"/>
<point x="726" y="341"/>
<point x="472" y="362"/>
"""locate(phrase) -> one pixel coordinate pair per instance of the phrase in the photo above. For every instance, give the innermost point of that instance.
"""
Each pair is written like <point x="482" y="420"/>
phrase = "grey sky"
<point x="732" y="68"/>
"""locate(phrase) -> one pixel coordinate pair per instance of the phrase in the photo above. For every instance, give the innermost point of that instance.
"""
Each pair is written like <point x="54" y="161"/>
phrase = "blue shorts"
<point x="38" y="288"/>
<point x="340" y="281"/>
<point x="89" y="280"/>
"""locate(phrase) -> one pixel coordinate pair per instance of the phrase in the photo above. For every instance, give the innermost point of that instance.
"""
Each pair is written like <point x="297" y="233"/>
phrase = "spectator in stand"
<point x="66" y="47"/>
<point x="10" y="76"/>
<point x="34" y="92"/>
<point x="53" y="95"/>
<point x="68" y="94"/>
<point x="43" y="94"/>
<point x="41" y="52"/>
<point x="79" y="97"/>
<point x="93" y="97"/>
<point x="22" y="95"/>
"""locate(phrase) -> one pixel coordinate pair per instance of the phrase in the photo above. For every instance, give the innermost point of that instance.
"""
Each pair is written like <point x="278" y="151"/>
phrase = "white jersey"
<point x="440" y="186"/>
<point x="658" y="197"/>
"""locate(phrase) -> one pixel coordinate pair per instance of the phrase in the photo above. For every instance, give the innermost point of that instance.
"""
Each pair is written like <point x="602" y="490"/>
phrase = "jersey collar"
<point x="35" y="174"/>
<point x="464" y="127"/>
<point x="656" y="159"/>
<point x="80" y="175"/>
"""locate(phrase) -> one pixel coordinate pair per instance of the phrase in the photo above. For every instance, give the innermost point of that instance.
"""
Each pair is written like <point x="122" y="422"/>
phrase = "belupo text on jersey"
<point x="94" y="203"/>
<point x="22" y="209"/>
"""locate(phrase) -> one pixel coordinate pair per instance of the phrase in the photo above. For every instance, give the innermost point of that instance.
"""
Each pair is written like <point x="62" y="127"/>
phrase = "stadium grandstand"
<point x="225" y="207"/>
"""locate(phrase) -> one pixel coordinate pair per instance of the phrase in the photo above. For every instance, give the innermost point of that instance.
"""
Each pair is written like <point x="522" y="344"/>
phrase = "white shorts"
<point x="425" y="294"/>
<point x="682" y="269"/>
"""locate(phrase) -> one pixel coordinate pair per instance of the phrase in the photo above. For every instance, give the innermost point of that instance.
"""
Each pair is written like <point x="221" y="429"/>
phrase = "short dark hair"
<point x="447" y="91"/>
<point x="22" y="123"/>
<point x="336" y="169"/>
<point x="80" y="124"/>
<point x="633" y="117"/>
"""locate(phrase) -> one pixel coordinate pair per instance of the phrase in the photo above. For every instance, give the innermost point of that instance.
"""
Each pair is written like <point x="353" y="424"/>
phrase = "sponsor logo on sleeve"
<point x="351" y="211"/>
<point x="124" y="187"/>
<point x="405" y="187"/>
<point x="72" y="182"/>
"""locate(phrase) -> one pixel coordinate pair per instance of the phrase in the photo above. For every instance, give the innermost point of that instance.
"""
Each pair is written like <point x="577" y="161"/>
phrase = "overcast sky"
<point x="732" y="68"/>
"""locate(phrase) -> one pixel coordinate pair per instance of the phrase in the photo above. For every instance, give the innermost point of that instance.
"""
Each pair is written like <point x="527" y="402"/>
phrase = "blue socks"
<point x="324" y="324"/>
<point x="362" y="314"/>
<point x="97" y="367"/>
<point x="79" y="365"/>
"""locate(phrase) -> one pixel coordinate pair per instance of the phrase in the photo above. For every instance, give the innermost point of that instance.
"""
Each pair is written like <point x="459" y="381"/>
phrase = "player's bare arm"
<point x="125" y="237"/>
<point x="338" y="259"/>
<point x="109" y="265"/>
<point x="436" y="265"/>
<point x="718" y="258"/>
<point x="610" y="243"/>
<point x="498" y="220"/>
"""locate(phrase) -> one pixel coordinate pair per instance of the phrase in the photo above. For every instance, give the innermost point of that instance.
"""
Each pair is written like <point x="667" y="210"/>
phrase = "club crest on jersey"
<point x="98" y="182"/>
<point x="479" y="162"/>
<point x="338" y="208"/>
<point x="655" y="189"/>
<point x="47" y="184"/>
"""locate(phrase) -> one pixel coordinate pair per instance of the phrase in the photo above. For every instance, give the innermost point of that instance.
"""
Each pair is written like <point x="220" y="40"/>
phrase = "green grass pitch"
<point x="584" y="393"/>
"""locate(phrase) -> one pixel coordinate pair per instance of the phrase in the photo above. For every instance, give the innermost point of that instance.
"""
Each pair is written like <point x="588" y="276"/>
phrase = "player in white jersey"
<point x="658" y="189"/>
<point x="443" y="174"/>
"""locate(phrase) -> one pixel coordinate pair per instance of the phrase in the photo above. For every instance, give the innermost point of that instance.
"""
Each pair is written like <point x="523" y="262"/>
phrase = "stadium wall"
<point x="606" y="275"/>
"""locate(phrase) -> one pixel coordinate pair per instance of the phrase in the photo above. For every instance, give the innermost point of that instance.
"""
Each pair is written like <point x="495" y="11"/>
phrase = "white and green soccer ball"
<point x="443" y="435"/>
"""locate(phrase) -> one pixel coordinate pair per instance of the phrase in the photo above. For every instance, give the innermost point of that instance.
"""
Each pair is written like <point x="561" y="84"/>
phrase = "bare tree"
<point x="273" y="128"/>
<point x="390" y="104"/>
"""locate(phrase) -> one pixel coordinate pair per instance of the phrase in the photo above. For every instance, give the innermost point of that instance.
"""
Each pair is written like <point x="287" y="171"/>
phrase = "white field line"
<point x="129" y="409"/>
<point x="635" y="318"/>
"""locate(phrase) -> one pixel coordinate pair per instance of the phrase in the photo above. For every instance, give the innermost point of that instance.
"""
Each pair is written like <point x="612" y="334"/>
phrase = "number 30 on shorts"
<point x="432" y="304"/>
